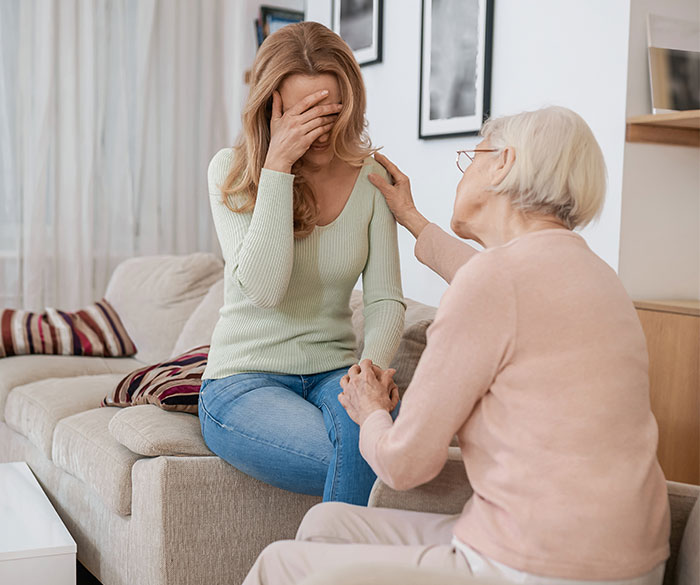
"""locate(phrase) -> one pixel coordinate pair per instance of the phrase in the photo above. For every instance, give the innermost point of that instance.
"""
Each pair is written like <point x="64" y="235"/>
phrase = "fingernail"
<point x="324" y="92"/>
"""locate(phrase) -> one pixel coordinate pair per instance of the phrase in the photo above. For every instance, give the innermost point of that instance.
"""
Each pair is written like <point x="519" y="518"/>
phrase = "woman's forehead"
<point x="295" y="88"/>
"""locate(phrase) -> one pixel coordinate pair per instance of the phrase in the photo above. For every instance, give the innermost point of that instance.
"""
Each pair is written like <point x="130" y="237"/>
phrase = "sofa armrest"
<point x="683" y="566"/>
<point x="200" y="520"/>
<point x="446" y="494"/>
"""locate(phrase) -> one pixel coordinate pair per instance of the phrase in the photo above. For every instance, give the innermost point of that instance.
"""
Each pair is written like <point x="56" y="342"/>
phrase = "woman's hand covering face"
<point x="294" y="131"/>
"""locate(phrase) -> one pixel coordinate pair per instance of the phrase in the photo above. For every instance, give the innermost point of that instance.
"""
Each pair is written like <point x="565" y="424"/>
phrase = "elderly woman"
<point x="536" y="361"/>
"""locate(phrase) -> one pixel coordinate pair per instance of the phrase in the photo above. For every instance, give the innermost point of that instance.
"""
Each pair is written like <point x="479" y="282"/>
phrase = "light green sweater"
<point x="286" y="300"/>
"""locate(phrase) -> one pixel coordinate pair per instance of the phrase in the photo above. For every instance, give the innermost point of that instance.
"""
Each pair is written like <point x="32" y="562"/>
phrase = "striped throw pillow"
<point x="94" y="331"/>
<point x="171" y="385"/>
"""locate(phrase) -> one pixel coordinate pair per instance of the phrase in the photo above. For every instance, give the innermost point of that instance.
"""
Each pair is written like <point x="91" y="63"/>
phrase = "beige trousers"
<point x="339" y="539"/>
<point x="333" y="535"/>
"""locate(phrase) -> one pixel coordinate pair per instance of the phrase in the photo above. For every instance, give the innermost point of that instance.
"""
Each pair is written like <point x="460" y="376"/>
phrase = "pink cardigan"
<point x="537" y="361"/>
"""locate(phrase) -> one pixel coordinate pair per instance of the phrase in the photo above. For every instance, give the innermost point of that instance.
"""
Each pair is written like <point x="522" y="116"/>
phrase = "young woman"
<point x="298" y="222"/>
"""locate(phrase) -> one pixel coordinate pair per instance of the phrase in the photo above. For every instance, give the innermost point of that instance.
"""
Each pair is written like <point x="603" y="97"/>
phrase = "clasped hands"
<point x="367" y="388"/>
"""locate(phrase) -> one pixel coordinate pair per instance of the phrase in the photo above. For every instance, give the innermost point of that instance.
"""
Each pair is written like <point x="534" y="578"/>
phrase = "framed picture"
<point x="272" y="19"/>
<point x="455" y="72"/>
<point x="359" y="23"/>
<point x="674" y="63"/>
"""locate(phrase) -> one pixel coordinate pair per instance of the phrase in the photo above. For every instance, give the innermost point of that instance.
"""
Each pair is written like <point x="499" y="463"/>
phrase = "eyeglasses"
<point x="464" y="158"/>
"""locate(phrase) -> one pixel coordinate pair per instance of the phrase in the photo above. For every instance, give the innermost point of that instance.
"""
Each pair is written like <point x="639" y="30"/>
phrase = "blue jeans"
<point x="289" y="431"/>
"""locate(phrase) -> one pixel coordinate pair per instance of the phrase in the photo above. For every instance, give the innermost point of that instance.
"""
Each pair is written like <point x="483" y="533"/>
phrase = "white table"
<point x="35" y="546"/>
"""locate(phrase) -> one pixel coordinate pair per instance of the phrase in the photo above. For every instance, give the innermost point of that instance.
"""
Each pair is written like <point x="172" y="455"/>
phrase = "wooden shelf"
<point x="684" y="307"/>
<point x="679" y="128"/>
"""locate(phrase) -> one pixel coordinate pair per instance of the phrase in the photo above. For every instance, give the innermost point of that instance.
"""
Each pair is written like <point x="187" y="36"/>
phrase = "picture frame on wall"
<point x="455" y="71"/>
<point x="271" y="19"/>
<point x="360" y="24"/>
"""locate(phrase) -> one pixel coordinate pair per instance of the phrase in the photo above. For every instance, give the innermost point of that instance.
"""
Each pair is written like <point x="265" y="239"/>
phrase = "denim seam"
<point x="251" y="438"/>
<point x="338" y="454"/>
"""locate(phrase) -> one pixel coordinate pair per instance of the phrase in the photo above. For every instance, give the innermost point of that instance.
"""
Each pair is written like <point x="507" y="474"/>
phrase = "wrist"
<point x="275" y="164"/>
<point x="370" y="411"/>
<point x="415" y="222"/>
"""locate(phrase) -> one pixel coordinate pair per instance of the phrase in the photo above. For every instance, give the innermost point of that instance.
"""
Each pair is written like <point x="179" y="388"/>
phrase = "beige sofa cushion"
<point x="415" y="313"/>
<point x="23" y="369"/>
<point x="418" y="319"/>
<point x="200" y="326"/>
<point x="34" y="409"/>
<point x="409" y="352"/>
<point x="84" y="447"/>
<point x="150" y="431"/>
<point x="155" y="295"/>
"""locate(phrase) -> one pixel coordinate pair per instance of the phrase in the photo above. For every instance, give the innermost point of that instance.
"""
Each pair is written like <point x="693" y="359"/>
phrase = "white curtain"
<point x="109" y="113"/>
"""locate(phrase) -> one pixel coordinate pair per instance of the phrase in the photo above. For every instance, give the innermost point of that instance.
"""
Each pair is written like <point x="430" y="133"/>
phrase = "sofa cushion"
<point x="93" y="331"/>
<point x="408" y="355"/>
<point x="20" y="370"/>
<point x="34" y="409"/>
<point x="155" y="295"/>
<point x="84" y="447"/>
<point x="150" y="431"/>
<point x="171" y="385"/>
<point x="200" y="326"/>
<point x="415" y="313"/>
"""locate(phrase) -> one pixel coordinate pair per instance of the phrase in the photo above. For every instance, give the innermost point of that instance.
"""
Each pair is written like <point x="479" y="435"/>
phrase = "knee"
<point x="268" y="563"/>
<point x="324" y="522"/>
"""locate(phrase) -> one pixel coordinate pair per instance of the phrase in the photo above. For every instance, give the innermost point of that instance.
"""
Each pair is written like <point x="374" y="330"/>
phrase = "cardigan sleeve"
<point x="258" y="246"/>
<point x="442" y="252"/>
<point x="384" y="307"/>
<point x="467" y="345"/>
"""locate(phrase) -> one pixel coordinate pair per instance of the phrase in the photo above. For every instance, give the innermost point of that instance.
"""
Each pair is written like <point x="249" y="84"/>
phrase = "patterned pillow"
<point x="172" y="385"/>
<point x="94" y="331"/>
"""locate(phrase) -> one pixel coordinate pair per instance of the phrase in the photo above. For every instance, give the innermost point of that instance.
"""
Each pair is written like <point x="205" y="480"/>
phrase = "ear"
<point x="276" y="105"/>
<point x="504" y="162"/>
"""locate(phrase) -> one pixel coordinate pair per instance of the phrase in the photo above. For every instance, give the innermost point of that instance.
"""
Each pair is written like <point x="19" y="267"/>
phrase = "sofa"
<point x="145" y="500"/>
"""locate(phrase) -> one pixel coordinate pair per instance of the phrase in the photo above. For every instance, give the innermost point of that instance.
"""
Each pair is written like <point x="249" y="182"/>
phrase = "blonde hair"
<point x="305" y="48"/>
<point x="559" y="168"/>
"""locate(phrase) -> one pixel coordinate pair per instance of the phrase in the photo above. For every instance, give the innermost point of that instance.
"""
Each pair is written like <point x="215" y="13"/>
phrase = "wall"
<point x="660" y="244"/>
<point x="545" y="52"/>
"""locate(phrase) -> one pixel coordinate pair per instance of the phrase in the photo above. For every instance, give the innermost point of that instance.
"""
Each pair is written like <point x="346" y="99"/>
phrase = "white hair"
<point x="559" y="167"/>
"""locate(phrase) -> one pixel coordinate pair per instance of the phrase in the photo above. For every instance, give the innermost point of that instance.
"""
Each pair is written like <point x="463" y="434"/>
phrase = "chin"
<point x="461" y="230"/>
<point x="319" y="159"/>
<point x="457" y="227"/>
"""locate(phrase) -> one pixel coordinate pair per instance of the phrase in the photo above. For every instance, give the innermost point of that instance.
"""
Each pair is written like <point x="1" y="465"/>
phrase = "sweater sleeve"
<point x="258" y="247"/>
<point x="384" y="307"/>
<point x="468" y="344"/>
<point x="441" y="252"/>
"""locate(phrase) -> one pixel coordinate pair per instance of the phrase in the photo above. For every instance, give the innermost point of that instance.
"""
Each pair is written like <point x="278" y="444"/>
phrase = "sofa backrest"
<point x="155" y="295"/>
<point x="418" y="319"/>
<point x="200" y="325"/>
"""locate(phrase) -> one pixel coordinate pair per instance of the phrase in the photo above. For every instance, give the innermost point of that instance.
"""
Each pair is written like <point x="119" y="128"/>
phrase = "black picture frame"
<point x="272" y="18"/>
<point x="365" y="42"/>
<point x="455" y="95"/>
